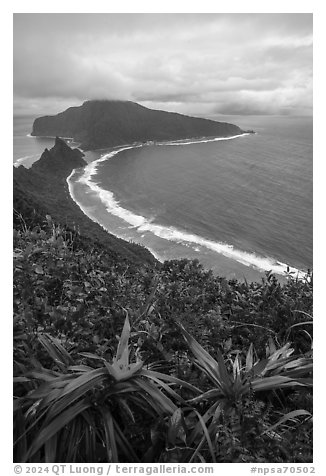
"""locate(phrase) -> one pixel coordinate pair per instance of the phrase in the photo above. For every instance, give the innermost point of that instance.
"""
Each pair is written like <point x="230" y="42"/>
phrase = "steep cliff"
<point x="43" y="189"/>
<point x="60" y="160"/>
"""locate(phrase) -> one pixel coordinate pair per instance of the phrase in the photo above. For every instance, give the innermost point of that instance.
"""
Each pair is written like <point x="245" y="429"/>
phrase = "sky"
<point x="199" y="64"/>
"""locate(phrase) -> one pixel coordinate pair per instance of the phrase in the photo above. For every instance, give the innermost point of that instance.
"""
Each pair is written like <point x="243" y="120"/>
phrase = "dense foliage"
<point x="205" y="369"/>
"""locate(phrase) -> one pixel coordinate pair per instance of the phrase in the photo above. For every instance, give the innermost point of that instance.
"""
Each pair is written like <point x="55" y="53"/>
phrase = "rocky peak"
<point x="59" y="160"/>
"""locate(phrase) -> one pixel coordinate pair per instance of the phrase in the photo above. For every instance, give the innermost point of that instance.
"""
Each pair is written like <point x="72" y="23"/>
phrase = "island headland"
<point x="97" y="124"/>
<point x="76" y="288"/>
<point x="43" y="189"/>
<point x="102" y="123"/>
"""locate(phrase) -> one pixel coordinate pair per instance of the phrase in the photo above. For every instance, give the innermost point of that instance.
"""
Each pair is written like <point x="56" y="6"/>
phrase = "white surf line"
<point x="141" y="224"/>
<point x="214" y="139"/>
<point x="245" y="258"/>
<point x="23" y="159"/>
<point x="85" y="211"/>
<point x="48" y="137"/>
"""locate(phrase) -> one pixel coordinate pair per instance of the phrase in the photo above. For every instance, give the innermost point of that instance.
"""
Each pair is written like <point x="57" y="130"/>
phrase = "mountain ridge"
<point x="105" y="123"/>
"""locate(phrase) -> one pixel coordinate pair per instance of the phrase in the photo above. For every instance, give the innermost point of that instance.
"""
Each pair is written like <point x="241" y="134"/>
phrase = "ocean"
<point x="241" y="206"/>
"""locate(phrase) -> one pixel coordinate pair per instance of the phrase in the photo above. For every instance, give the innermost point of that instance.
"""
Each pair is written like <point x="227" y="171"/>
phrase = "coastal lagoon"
<point x="241" y="206"/>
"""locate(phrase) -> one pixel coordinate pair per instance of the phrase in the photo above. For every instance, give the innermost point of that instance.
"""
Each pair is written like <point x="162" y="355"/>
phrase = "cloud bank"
<point x="200" y="64"/>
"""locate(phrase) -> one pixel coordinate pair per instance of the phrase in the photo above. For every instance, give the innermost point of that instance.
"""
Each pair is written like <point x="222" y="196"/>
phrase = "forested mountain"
<point x="98" y="124"/>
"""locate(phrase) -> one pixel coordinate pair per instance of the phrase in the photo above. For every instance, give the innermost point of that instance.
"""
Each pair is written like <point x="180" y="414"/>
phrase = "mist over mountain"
<point x="99" y="124"/>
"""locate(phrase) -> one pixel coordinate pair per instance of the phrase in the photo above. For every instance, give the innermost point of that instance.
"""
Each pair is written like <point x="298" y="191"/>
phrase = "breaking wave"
<point x="21" y="160"/>
<point x="171" y="233"/>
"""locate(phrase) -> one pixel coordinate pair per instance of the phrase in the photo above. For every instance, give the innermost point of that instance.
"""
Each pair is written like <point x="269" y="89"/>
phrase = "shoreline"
<point x="157" y="257"/>
<point x="250" y="260"/>
<point x="184" y="141"/>
<point x="48" y="137"/>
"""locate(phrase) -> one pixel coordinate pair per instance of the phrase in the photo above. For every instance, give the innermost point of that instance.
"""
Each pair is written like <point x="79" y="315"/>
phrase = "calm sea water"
<point x="241" y="206"/>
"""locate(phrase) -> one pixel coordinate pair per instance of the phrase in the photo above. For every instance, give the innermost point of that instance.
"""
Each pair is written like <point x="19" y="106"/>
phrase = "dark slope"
<point x="43" y="189"/>
<point x="60" y="160"/>
<point x="98" y="124"/>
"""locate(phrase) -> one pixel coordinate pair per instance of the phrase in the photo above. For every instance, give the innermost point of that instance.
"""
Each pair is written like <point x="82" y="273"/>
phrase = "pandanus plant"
<point x="83" y="413"/>
<point x="279" y="369"/>
<point x="230" y="384"/>
<point x="191" y="434"/>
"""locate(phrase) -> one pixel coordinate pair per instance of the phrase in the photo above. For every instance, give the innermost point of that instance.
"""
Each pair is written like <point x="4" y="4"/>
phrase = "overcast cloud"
<point x="199" y="64"/>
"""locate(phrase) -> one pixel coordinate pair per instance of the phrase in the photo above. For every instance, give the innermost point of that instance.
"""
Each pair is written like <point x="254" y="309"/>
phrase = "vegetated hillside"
<point x="82" y="396"/>
<point x="237" y="393"/>
<point x="98" y="124"/>
<point x="42" y="190"/>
